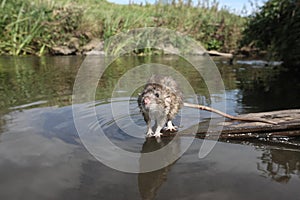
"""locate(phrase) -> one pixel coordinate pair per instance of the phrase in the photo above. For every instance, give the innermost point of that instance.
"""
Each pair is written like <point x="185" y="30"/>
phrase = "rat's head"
<point x="152" y="97"/>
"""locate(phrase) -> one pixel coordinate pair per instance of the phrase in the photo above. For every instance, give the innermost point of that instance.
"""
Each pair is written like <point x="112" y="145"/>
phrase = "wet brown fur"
<point x="170" y="98"/>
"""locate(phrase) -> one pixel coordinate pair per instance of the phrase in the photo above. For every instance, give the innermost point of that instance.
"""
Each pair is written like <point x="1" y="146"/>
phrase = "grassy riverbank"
<point x="37" y="26"/>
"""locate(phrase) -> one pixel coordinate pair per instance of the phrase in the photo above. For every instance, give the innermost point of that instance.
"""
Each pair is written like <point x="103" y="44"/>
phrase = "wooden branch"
<point x="216" y="53"/>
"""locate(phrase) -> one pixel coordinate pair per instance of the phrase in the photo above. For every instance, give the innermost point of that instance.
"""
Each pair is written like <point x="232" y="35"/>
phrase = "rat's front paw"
<point x="157" y="135"/>
<point x="149" y="133"/>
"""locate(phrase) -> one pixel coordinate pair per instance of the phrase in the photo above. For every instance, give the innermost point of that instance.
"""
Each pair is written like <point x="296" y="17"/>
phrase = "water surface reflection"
<point x="42" y="157"/>
<point x="281" y="165"/>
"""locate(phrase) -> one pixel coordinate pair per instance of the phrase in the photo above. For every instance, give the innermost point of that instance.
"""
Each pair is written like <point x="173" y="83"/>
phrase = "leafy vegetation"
<point x="32" y="27"/>
<point x="276" y="28"/>
<point x="36" y="26"/>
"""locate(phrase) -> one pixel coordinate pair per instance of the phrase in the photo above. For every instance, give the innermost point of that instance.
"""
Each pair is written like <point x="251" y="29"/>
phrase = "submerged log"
<point x="288" y="125"/>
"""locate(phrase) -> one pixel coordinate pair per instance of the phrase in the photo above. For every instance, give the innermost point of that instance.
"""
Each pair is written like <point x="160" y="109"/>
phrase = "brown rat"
<point x="162" y="99"/>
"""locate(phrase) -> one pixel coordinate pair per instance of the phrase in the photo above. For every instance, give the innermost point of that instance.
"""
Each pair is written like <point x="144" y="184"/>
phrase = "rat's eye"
<point x="157" y="95"/>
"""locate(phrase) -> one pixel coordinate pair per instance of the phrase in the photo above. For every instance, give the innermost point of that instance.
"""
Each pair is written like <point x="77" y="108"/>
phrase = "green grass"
<point x="33" y="27"/>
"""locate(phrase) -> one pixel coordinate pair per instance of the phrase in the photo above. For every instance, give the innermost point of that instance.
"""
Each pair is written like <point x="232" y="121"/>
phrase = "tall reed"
<point x="30" y="27"/>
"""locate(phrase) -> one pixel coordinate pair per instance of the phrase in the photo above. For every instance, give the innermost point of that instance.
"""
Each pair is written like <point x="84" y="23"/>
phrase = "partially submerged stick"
<point x="201" y="107"/>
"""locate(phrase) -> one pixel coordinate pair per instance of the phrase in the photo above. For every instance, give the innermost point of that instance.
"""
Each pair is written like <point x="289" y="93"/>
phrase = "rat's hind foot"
<point x="170" y="127"/>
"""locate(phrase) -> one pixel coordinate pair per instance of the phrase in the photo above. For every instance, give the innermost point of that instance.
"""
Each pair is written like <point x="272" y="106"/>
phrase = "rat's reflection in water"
<point x="150" y="182"/>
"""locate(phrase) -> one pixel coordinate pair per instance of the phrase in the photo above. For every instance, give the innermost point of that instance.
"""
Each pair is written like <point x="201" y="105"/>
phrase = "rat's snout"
<point x="147" y="100"/>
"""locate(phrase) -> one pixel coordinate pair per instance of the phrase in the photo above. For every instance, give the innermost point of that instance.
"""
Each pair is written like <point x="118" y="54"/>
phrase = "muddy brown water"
<point x="43" y="157"/>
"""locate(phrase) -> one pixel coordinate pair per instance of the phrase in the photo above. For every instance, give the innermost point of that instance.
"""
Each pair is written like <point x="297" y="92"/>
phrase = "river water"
<point x="44" y="152"/>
